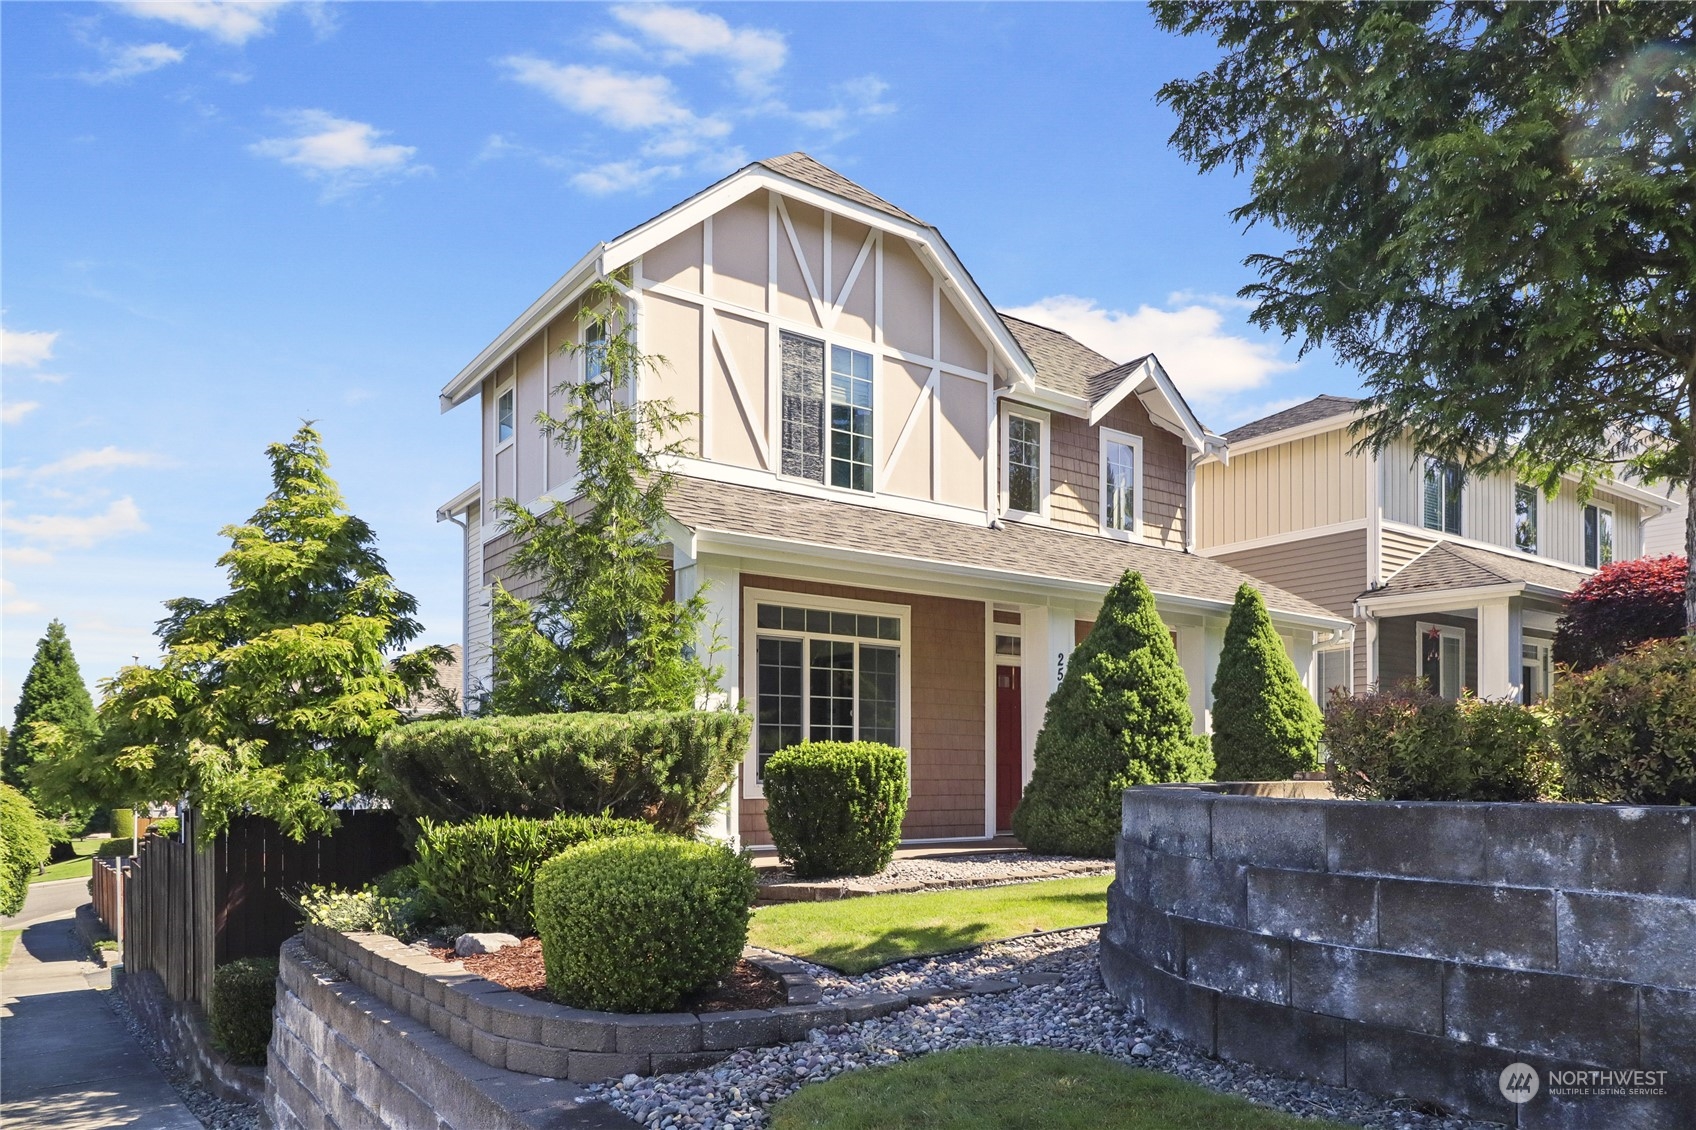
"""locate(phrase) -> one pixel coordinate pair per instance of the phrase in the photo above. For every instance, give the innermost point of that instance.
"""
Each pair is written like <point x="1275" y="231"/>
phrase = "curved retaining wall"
<point x="1418" y="949"/>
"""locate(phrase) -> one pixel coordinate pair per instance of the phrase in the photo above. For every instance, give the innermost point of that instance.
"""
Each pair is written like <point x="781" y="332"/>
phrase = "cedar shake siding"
<point x="1330" y="571"/>
<point x="1075" y="467"/>
<point x="948" y="687"/>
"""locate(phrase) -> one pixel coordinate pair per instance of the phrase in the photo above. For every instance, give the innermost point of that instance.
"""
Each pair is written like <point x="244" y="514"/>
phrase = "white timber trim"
<point x="801" y="262"/>
<point x="738" y="390"/>
<point x="1289" y="538"/>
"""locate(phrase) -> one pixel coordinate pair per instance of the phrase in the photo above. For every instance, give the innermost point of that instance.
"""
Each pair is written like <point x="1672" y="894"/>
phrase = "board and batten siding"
<point x="1308" y="482"/>
<point x="1331" y="570"/>
<point x="1074" y="447"/>
<point x="946" y="654"/>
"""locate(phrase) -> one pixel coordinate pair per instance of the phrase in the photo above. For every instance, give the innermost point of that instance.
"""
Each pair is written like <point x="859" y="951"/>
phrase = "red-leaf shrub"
<point x="1625" y="604"/>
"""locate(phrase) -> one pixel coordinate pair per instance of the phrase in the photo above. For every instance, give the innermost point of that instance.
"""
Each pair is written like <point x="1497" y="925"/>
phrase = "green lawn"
<point x="858" y="934"/>
<point x="79" y="868"/>
<point x="8" y="939"/>
<point x="1021" y="1089"/>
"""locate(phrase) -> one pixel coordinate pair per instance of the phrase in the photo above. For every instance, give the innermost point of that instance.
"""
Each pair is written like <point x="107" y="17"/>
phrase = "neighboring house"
<point x="1454" y="578"/>
<point x="905" y="508"/>
<point x="1665" y="534"/>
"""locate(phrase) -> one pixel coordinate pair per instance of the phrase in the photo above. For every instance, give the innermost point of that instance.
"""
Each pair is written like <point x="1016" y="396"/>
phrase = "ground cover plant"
<point x="8" y="939"/>
<point x="1120" y="717"/>
<point x="1021" y="1088"/>
<point x="858" y="934"/>
<point x="1266" y="727"/>
<point x="835" y="808"/>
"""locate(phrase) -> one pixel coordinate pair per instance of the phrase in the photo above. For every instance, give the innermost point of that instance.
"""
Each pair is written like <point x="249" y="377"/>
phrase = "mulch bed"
<point x="520" y="969"/>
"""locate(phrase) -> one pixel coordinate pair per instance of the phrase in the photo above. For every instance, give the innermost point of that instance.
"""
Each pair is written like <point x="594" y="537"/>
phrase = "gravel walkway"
<point x="1075" y="1012"/>
<point x="983" y="869"/>
<point x="214" y="1113"/>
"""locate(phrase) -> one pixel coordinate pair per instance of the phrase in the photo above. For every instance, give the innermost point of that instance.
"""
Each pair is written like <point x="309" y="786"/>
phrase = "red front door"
<point x="1009" y="745"/>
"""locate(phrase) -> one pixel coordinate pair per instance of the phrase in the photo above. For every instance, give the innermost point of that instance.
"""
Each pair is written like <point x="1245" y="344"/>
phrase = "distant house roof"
<point x="1321" y="407"/>
<point x="1447" y="565"/>
<point x="799" y="166"/>
<point x="1018" y="548"/>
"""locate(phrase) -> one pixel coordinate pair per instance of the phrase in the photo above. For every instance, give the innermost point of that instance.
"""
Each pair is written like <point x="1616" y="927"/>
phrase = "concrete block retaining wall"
<point x="1417" y="949"/>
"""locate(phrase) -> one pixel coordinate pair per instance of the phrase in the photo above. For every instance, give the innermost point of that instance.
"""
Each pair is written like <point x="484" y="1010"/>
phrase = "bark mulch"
<point x="520" y="969"/>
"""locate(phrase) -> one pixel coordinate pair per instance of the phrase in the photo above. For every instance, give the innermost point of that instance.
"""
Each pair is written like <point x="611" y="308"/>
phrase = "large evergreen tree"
<point x="267" y="699"/>
<point x="1120" y="717"/>
<point x="602" y="633"/>
<point x="1266" y="727"/>
<point x="1490" y="206"/>
<point x="53" y="692"/>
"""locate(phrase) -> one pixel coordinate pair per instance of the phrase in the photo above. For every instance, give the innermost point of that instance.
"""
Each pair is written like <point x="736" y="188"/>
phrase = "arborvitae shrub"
<point x="1628" y="728"/>
<point x="1120" y="717"/>
<point x="1266" y="727"/>
<point x="479" y="874"/>
<point x="672" y="769"/>
<point x="636" y="924"/>
<point x="244" y="992"/>
<point x="835" y="808"/>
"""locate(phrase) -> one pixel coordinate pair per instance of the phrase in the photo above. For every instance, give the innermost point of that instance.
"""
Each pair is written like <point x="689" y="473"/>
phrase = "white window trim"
<point x="510" y="384"/>
<point x="751" y="600"/>
<point x="1319" y="671"/>
<point x="831" y="341"/>
<point x="1444" y="631"/>
<point x="1443" y="507"/>
<point x="1584" y="547"/>
<point x="1134" y="442"/>
<point x="1045" y="422"/>
<point x="1544" y="660"/>
<point x="1536" y="520"/>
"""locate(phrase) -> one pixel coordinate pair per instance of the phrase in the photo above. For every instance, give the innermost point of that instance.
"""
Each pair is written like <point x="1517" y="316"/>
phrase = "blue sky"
<point x="222" y="219"/>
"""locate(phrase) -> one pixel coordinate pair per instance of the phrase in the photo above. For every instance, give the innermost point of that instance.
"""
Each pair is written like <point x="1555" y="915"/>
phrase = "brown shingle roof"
<point x="799" y="166"/>
<point x="1018" y="548"/>
<point x="1450" y="566"/>
<point x="1063" y="363"/>
<point x="1319" y="408"/>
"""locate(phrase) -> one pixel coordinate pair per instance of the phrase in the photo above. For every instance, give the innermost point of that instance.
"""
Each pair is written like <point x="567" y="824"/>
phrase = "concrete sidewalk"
<point x="65" y="1060"/>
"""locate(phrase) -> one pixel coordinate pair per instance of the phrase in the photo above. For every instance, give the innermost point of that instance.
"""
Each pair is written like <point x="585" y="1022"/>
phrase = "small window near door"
<point x="1598" y="536"/>
<point x="1525" y="518"/>
<point x="1008" y="647"/>
<point x="1536" y="673"/>
<point x="1442" y="659"/>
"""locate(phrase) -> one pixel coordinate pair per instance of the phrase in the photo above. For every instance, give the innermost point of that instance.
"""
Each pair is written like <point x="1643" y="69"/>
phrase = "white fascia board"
<point x="890" y="565"/>
<point x="543" y="310"/>
<point x="1153" y="386"/>
<point x="459" y="502"/>
<point x="1290" y="434"/>
<point x="1049" y="399"/>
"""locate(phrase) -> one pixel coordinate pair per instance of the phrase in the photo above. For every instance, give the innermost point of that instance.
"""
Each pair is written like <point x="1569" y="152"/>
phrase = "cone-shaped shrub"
<point x="1266" y="727"/>
<point x="1120" y="717"/>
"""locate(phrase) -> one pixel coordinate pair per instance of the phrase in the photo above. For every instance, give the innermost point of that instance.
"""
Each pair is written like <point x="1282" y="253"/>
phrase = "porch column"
<point x="1500" y="632"/>
<point x="721" y="627"/>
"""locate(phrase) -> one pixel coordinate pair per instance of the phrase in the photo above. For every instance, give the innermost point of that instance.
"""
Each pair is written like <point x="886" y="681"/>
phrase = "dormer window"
<point x="1025" y="486"/>
<point x="505" y="413"/>
<point x="1121" y="478"/>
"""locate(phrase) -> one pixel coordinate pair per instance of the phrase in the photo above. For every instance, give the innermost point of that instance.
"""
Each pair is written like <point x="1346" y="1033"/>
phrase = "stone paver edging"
<point x="509" y="1030"/>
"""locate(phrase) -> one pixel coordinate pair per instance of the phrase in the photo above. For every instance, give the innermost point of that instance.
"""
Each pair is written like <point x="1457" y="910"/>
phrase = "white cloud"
<point x="622" y="101"/>
<point x="107" y="458"/>
<point x="10" y="605"/>
<point x="1208" y="362"/>
<point x="26" y="348"/>
<point x="622" y="176"/>
<point x="71" y="531"/>
<point x="755" y="55"/>
<point x="339" y="151"/>
<point x="228" y="21"/>
<point x="25" y="555"/>
<point x="131" y="59"/>
<point x="15" y="411"/>
<point x="856" y="99"/>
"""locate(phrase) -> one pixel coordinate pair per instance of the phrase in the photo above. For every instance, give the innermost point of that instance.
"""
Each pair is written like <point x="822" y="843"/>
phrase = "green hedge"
<point x="1406" y="743"/>
<point x="115" y="848"/>
<point x="23" y="848"/>
<point x="671" y="769"/>
<point x="244" y="992"/>
<point x="479" y="874"/>
<point x="835" y="808"/>
<point x="1628" y="730"/>
<point x="636" y="924"/>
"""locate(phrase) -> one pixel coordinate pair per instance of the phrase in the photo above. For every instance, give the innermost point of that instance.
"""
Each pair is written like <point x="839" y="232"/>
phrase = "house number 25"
<point x="1059" y="666"/>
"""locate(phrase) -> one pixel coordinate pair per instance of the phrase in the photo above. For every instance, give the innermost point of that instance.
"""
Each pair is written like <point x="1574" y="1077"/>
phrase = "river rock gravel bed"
<point x="214" y="1113"/>
<point x="978" y="869"/>
<point x="1075" y="1012"/>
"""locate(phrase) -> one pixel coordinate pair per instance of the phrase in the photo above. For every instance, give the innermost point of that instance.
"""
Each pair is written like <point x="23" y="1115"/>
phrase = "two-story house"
<point x="1453" y="578"/>
<point x="904" y="508"/>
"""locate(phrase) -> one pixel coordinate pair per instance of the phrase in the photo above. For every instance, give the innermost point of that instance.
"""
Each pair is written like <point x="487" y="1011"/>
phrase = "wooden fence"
<point x="188" y="910"/>
<point x="107" y="890"/>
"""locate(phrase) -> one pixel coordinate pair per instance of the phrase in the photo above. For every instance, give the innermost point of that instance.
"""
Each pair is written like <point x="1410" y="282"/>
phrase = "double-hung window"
<point x="1024" y="464"/>
<point x="1121" y="478"/>
<point x="1598" y="536"/>
<point x="1441" y="481"/>
<point x="827" y="424"/>
<point x="1525" y="518"/>
<point x="1442" y="659"/>
<point x="825" y="674"/>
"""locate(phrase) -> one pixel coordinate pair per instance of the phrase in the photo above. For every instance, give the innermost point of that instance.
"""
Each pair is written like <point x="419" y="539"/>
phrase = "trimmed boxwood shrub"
<point x="1628" y="728"/>
<point x="114" y="849"/>
<point x="1266" y="727"/>
<point x="1120" y="717"/>
<point x="244" y="993"/>
<point x="638" y="923"/>
<point x="479" y="874"/>
<point x="1406" y="743"/>
<point x="23" y="848"/>
<point x="835" y="808"/>
<point x="672" y="769"/>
